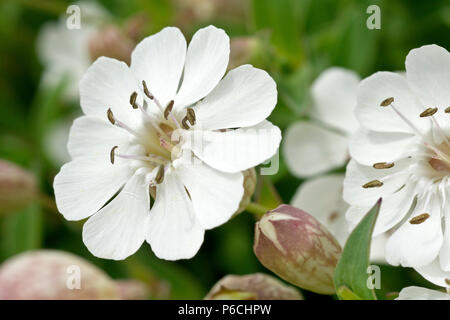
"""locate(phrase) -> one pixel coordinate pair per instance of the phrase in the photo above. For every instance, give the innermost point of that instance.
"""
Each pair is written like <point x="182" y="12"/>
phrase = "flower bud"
<point x="249" y="189"/>
<point x="17" y="187"/>
<point x="296" y="247"/>
<point x="53" y="274"/>
<point x="242" y="50"/>
<point x="111" y="42"/>
<point x="257" y="286"/>
<point x="132" y="290"/>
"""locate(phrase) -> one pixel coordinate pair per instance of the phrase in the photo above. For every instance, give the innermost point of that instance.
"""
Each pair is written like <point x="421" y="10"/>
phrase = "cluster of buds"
<point x="297" y="248"/>
<point x="256" y="286"/>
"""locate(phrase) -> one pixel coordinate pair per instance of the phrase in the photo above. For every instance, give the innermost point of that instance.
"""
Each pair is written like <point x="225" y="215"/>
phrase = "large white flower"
<point x="138" y="135"/>
<point x="402" y="154"/>
<point x="320" y="145"/>
<point x="65" y="52"/>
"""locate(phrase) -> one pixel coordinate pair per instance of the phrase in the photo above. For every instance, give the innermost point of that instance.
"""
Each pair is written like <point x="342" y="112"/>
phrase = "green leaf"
<point x="350" y="277"/>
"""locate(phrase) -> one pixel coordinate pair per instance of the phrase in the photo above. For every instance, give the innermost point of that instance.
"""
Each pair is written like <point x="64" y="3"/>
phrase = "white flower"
<point x="418" y="293"/>
<point x="322" y="198"/>
<point x="65" y="52"/>
<point x="402" y="154"/>
<point x="312" y="148"/>
<point x="125" y="140"/>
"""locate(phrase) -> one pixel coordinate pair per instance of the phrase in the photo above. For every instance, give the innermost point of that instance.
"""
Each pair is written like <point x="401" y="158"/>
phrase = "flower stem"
<point x="257" y="209"/>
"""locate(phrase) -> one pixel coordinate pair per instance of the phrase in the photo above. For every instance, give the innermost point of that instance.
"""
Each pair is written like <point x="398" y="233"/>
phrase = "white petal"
<point x="428" y="74"/>
<point x="322" y="198"/>
<point x="92" y="136"/>
<point x="376" y="88"/>
<point x="84" y="185"/>
<point x="245" y="97"/>
<point x="310" y="149"/>
<point x="215" y="195"/>
<point x="119" y="228"/>
<point x="108" y="83"/>
<point x="444" y="256"/>
<point x="416" y="245"/>
<point x="434" y="273"/>
<point x="370" y="147"/>
<point x="418" y="293"/>
<point x="174" y="230"/>
<point x="334" y="95"/>
<point x="206" y="63"/>
<point x="377" y="249"/>
<point x="357" y="175"/>
<point x="159" y="60"/>
<point x="236" y="150"/>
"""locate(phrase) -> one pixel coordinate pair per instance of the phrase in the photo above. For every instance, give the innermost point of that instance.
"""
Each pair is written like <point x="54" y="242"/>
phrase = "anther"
<point x="168" y="109"/>
<point x="190" y="115"/>
<point x="111" y="154"/>
<point x="419" y="219"/>
<point x="160" y="175"/>
<point x="447" y="110"/>
<point x="387" y="102"/>
<point x="447" y="281"/>
<point x="110" y="116"/>
<point x="383" y="165"/>
<point x="133" y="100"/>
<point x="428" y="112"/>
<point x="146" y="91"/>
<point x="373" y="184"/>
<point x="184" y="124"/>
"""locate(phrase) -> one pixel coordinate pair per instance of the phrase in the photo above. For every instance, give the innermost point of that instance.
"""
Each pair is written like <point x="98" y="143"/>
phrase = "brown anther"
<point x="373" y="184"/>
<point x="428" y="112"/>
<point x="110" y="116"/>
<point x="419" y="219"/>
<point x="147" y="93"/>
<point x="190" y="115"/>
<point x="383" y="165"/>
<point x="184" y="124"/>
<point x="160" y="175"/>
<point x="133" y="100"/>
<point x="447" y="281"/>
<point x="387" y="102"/>
<point x="447" y="110"/>
<point x="168" y="109"/>
<point x="111" y="154"/>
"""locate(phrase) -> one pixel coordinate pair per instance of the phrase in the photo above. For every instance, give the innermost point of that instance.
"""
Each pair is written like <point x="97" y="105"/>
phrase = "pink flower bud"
<point x="111" y="42"/>
<point x="133" y="290"/>
<point x="17" y="187"/>
<point x="242" y="50"/>
<point x="296" y="247"/>
<point x="257" y="286"/>
<point x="52" y="274"/>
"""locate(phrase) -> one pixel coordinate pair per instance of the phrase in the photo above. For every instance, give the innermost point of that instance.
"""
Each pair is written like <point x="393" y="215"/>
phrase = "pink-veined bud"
<point x="297" y="248"/>
<point x="242" y="50"/>
<point x="133" y="289"/>
<point x="257" y="286"/>
<point x="111" y="42"/>
<point x="55" y="275"/>
<point x="17" y="187"/>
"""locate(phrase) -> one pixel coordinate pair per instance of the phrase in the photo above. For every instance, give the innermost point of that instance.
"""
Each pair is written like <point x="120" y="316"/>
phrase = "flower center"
<point x="155" y="140"/>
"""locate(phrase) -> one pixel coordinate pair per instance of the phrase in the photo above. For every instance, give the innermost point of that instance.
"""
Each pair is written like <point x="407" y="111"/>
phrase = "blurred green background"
<point x="296" y="40"/>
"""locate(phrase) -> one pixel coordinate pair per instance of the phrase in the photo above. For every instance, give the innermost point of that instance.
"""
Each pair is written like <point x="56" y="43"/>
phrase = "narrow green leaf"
<point x="351" y="271"/>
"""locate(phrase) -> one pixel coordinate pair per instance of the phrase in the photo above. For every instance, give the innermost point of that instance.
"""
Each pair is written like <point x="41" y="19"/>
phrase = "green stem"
<point x="257" y="209"/>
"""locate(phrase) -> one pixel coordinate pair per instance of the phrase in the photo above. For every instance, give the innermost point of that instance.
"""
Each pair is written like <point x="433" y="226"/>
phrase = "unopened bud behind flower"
<point x="242" y="50"/>
<point x="53" y="274"/>
<point x="257" y="286"/>
<point x="296" y="247"/>
<point x="17" y="187"/>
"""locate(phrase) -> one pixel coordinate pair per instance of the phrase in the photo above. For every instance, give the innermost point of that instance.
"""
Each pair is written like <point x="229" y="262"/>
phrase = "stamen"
<point x="387" y="102"/>
<point x="168" y="109"/>
<point x="383" y="165"/>
<point x="146" y="91"/>
<point x="447" y="281"/>
<point x="190" y="115"/>
<point x="160" y="175"/>
<point x="152" y="123"/>
<point x="428" y="112"/>
<point x="419" y="219"/>
<point x="373" y="184"/>
<point x="447" y="110"/>
<point x="133" y="100"/>
<point x="111" y="154"/>
<point x="184" y="123"/>
<point x="152" y="159"/>
<point x="110" y="116"/>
